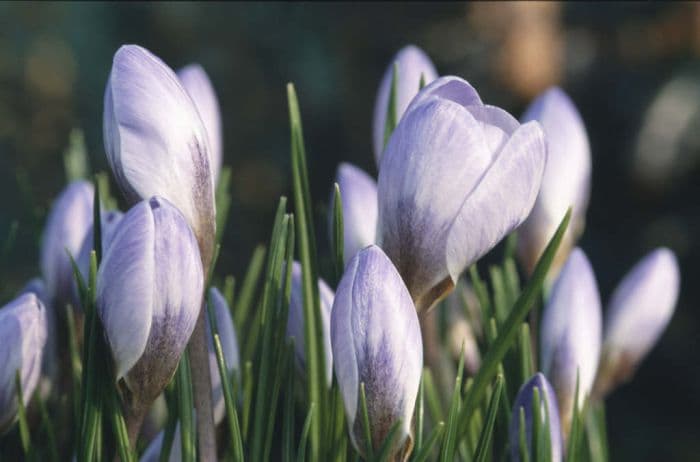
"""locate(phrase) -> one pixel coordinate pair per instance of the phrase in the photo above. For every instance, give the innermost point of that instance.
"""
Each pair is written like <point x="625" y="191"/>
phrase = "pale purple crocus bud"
<point x="68" y="222"/>
<point x="358" y="193"/>
<point x="49" y="366"/>
<point x="23" y="335"/>
<point x="197" y="83"/>
<point x="149" y="292"/>
<point x="229" y="348"/>
<point x="295" y="321"/>
<point x="549" y="416"/>
<point x="570" y="335"/>
<point x="639" y="311"/>
<point x="456" y="177"/>
<point x="156" y="142"/>
<point x="412" y="63"/>
<point x="565" y="183"/>
<point x="376" y="340"/>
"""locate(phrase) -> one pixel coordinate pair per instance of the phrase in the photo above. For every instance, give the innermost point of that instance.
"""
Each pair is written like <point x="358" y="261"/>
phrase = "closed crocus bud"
<point x="156" y="142"/>
<point x="149" y="290"/>
<point x="49" y="366"/>
<point x="570" y="334"/>
<point x="456" y="177"/>
<point x="639" y="311"/>
<point x="197" y="83"/>
<point x="412" y="64"/>
<point x="229" y="348"/>
<point x="295" y="321"/>
<point x="548" y="413"/>
<point x="376" y="340"/>
<point x="22" y="339"/>
<point x="68" y="222"/>
<point x="358" y="193"/>
<point x="566" y="180"/>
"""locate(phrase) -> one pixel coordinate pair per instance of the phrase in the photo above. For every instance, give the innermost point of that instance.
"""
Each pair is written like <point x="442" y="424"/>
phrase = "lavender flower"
<point x="23" y="334"/>
<point x="358" y="192"/>
<point x="49" y="364"/>
<point x="376" y="340"/>
<point x="639" y="311"/>
<point x="149" y="290"/>
<point x="566" y="181"/>
<point x="412" y="63"/>
<point x="456" y="177"/>
<point x="570" y="335"/>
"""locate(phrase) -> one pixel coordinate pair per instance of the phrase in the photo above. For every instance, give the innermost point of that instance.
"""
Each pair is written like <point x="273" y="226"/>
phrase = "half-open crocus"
<point x="358" y="193"/>
<point x="229" y="348"/>
<point x="197" y="83"/>
<point x="565" y="183"/>
<point x="376" y="341"/>
<point x="412" y="64"/>
<point x="639" y="311"/>
<point x="149" y="292"/>
<point x="548" y="416"/>
<point x="67" y="225"/>
<point x="570" y="334"/>
<point x="456" y="177"/>
<point x="23" y="335"/>
<point x="295" y="321"/>
<point x="156" y="142"/>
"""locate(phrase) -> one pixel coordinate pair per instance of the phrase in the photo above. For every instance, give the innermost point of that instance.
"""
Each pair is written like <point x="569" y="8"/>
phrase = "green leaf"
<point x="22" y="417"/>
<point x="75" y="157"/>
<point x="48" y="428"/>
<point x="118" y="425"/>
<point x="481" y="293"/>
<point x="420" y="421"/>
<point x="391" y="112"/>
<point x="433" y="398"/>
<point x="247" y="291"/>
<point x="366" y="429"/>
<point x="185" y="406"/>
<point x="229" y="399"/>
<point x="75" y="363"/>
<point x="385" y="452"/>
<point x="448" y="444"/>
<point x="288" y="416"/>
<point x="575" y="434"/>
<point x="247" y="384"/>
<point x="524" y="450"/>
<point x="596" y="430"/>
<point x="301" y="451"/>
<point x="527" y="364"/>
<point x="223" y="201"/>
<point x="337" y="244"/>
<point x="482" y="449"/>
<point x="430" y="443"/>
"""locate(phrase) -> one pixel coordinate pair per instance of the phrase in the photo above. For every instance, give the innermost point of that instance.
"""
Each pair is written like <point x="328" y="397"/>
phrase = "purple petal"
<point x="449" y="88"/>
<point x="566" y="180"/>
<point x="376" y="340"/>
<point x="66" y="227"/>
<point x="152" y="452"/>
<point x="412" y="62"/>
<point x="358" y="192"/>
<point x="197" y="83"/>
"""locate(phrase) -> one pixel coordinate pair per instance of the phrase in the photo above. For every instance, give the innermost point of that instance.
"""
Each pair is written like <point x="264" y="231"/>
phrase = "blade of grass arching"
<point x="366" y="430"/>
<point x="433" y="399"/>
<point x="223" y="201"/>
<point x="75" y="364"/>
<point x="448" y="444"/>
<point x="482" y="449"/>
<point x="301" y="450"/>
<point x="420" y="414"/>
<point x="247" y="291"/>
<point x="313" y="333"/>
<point x="337" y="244"/>
<point x="185" y="405"/>
<point x="385" y="452"/>
<point x="288" y="414"/>
<point x="596" y="432"/>
<point x="430" y="443"/>
<point x="48" y="429"/>
<point x="118" y="425"/>
<point x="573" y="446"/>
<point x="24" y="436"/>
<point x="482" y="293"/>
<point x="230" y="401"/>
<point x="508" y="332"/>
<point x="247" y="385"/>
<point x="391" y="112"/>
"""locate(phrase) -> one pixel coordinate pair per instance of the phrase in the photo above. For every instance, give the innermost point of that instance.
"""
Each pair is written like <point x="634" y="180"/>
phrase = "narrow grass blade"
<point x="576" y="432"/>
<point x="391" y="113"/>
<point x="48" y="428"/>
<point x="301" y="451"/>
<point x="385" y="452"/>
<point x="185" y="406"/>
<point x="366" y="429"/>
<point x="247" y="291"/>
<point x="433" y="399"/>
<point x="420" y="414"/>
<point x="430" y="444"/>
<point x="229" y="399"/>
<point x="448" y="445"/>
<point x="288" y="414"/>
<point x="337" y="244"/>
<point x="119" y="426"/>
<point x="482" y="449"/>
<point x="22" y="418"/>
<point x="596" y="431"/>
<point x="223" y="201"/>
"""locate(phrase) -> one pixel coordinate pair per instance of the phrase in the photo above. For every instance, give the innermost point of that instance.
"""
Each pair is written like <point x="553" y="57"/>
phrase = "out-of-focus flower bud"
<point x="358" y="193"/>
<point x="229" y="347"/>
<point x="295" y="321"/>
<point x="549" y="415"/>
<point x="22" y="339"/>
<point x="149" y="292"/>
<point x="66" y="227"/>
<point x="412" y="63"/>
<point x="565" y="183"/>
<point x="197" y="83"/>
<point x="376" y="340"/>
<point x="639" y="311"/>
<point x="156" y="142"/>
<point x="49" y="366"/>
<point x="456" y="177"/>
<point x="570" y="335"/>
<point x="462" y="330"/>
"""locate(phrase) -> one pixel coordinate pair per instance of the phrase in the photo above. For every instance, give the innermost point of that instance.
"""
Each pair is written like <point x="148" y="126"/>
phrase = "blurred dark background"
<point x="632" y="69"/>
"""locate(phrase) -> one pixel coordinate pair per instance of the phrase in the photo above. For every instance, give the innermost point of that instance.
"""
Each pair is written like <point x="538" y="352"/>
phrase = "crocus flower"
<point x="156" y="142"/>
<point x="456" y="177"/>
<point x="49" y="366"/>
<point x="67" y="224"/>
<point x="549" y="415"/>
<point x="149" y="291"/>
<point x="570" y="334"/>
<point x="566" y="180"/>
<point x="295" y="321"/>
<point x="639" y="311"/>
<point x="229" y="348"/>
<point x="197" y="83"/>
<point x="358" y="193"/>
<point x="412" y="63"/>
<point x="376" y="340"/>
<point x="23" y="334"/>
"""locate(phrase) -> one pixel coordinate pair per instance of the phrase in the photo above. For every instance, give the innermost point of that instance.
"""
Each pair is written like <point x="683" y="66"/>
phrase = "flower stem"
<point x="201" y="384"/>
